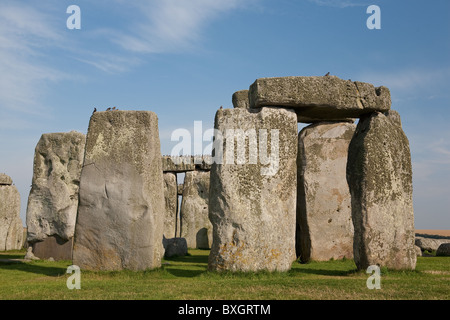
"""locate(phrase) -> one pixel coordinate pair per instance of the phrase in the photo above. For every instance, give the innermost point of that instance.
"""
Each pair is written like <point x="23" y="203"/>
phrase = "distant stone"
<point x="320" y="98"/>
<point x="175" y="247"/>
<point x="240" y="99"/>
<point x="379" y="175"/>
<point x="443" y="250"/>
<point x="5" y="180"/>
<point x="418" y="251"/>
<point x="53" y="200"/>
<point x="253" y="190"/>
<point x="171" y="200"/>
<point x="11" y="227"/>
<point x="30" y="255"/>
<point x="195" y="225"/>
<point x="178" y="163"/>
<point x="120" y="221"/>
<point x="324" y="217"/>
<point x="180" y="189"/>
<point x="429" y="244"/>
<point x="53" y="247"/>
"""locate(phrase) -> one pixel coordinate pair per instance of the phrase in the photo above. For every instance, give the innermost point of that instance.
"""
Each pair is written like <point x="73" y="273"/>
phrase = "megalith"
<point x="11" y="228"/>
<point x="253" y="190"/>
<point x="171" y="223"/>
<point x="379" y="175"/>
<point x="195" y="225"/>
<point x="121" y="209"/>
<point x="53" y="199"/>
<point x="314" y="99"/>
<point x="324" y="220"/>
<point x="240" y="99"/>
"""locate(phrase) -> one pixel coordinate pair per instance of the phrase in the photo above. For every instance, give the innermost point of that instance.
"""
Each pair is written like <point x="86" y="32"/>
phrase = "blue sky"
<point x="184" y="59"/>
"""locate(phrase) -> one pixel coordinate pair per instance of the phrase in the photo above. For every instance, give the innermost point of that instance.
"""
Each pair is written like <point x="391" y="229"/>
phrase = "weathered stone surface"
<point x="11" y="228"/>
<point x="30" y="255"/>
<point x="53" y="200"/>
<point x="324" y="218"/>
<point x="240" y="99"/>
<point x="175" y="247"/>
<point x="178" y="164"/>
<point x="418" y="251"/>
<point x="443" y="250"/>
<point x="195" y="225"/>
<point x="53" y="247"/>
<point x="320" y="98"/>
<point x="429" y="244"/>
<point x="379" y="175"/>
<point x="252" y="203"/>
<point x="5" y="180"/>
<point x="121" y="209"/>
<point x="171" y="223"/>
<point x="180" y="189"/>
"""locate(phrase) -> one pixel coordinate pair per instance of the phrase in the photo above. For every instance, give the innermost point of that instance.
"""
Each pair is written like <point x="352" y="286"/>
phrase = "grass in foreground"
<point x="187" y="278"/>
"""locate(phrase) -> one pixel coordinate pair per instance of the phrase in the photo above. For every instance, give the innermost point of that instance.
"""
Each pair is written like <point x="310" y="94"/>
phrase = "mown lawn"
<point x="188" y="278"/>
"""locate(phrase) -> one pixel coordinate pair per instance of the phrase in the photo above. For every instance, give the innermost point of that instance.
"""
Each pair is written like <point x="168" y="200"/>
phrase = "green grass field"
<point x="187" y="278"/>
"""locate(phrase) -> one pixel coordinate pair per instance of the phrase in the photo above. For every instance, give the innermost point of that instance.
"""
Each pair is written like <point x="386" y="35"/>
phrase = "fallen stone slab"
<point x="443" y="250"/>
<point x="429" y="244"/>
<point x="253" y="193"/>
<point x="324" y="217"/>
<point x="120" y="219"/>
<point x="379" y="175"/>
<point x="316" y="99"/>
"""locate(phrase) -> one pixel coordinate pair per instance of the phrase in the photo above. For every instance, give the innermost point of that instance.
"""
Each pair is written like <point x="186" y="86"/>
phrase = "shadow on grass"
<point x="37" y="267"/>
<point x="187" y="266"/>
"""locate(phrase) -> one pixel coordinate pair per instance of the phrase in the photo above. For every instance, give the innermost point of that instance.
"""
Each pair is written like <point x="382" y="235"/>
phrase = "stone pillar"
<point x="324" y="221"/>
<point x="11" y="228"/>
<point x="240" y="99"/>
<point x="53" y="199"/>
<point x="253" y="190"/>
<point x="121" y="209"/>
<point x="379" y="175"/>
<point x="195" y="224"/>
<point x="171" y="223"/>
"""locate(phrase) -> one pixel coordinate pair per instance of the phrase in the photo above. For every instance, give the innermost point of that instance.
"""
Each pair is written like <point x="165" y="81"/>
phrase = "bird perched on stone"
<point x="109" y="109"/>
<point x="327" y="74"/>
<point x="114" y="108"/>
<point x="221" y="107"/>
<point x="95" y="110"/>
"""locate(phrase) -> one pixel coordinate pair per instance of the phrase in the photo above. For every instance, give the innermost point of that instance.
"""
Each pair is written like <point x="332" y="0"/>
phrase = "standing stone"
<point x="195" y="225"/>
<point x="171" y="201"/>
<point x="11" y="228"/>
<point x="253" y="193"/>
<point x="53" y="200"/>
<point x="121" y="210"/>
<point x="240" y="99"/>
<point x="324" y="218"/>
<point x="379" y="175"/>
<point x="315" y="99"/>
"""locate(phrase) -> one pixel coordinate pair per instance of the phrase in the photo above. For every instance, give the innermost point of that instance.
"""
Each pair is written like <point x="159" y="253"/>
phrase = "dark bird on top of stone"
<point x="109" y="109"/>
<point x="95" y="110"/>
<point x="327" y="74"/>
<point x="221" y="107"/>
<point x="114" y="108"/>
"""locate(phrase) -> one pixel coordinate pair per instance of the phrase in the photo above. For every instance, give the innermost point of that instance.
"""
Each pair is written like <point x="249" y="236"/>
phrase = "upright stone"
<point x="379" y="175"/>
<point x="314" y="99"/>
<point x="11" y="228"/>
<point x="195" y="225"/>
<point x="171" y="200"/>
<point x="253" y="190"/>
<point x="240" y="99"/>
<point x="53" y="200"/>
<point x="121" y="210"/>
<point x="324" y="220"/>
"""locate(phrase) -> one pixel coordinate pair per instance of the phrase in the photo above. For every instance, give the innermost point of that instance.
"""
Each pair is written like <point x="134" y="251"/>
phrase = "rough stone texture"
<point x="195" y="225"/>
<point x="320" y="98"/>
<point x="11" y="228"/>
<point x="30" y="255"/>
<point x="252" y="205"/>
<point x="171" y="200"/>
<point x="53" y="247"/>
<point x="53" y="200"/>
<point x="178" y="164"/>
<point x="379" y="175"/>
<point x="180" y="189"/>
<point x="324" y="218"/>
<point x="418" y="251"/>
<point x="429" y="244"/>
<point x="443" y="250"/>
<point x="240" y="99"/>
<point x="175" y="247"/>
<point x="5" y="180"/>
<point x="121" y="209"/>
